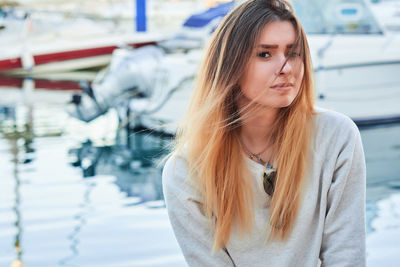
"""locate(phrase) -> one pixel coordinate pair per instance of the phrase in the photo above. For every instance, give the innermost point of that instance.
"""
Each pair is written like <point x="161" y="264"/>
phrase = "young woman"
<point x="259" y="177"/>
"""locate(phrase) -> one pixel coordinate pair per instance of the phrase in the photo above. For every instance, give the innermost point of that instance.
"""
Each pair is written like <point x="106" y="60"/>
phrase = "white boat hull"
<point x="370" y="95"/>
<point x="62" y="66"/>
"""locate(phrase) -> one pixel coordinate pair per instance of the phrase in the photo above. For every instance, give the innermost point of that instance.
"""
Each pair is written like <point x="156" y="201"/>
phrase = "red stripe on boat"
<point x="75" y="54"/>
<point x="12" y="63"/>
<point x="16" y="63"/>
<point x="82" y="53"/>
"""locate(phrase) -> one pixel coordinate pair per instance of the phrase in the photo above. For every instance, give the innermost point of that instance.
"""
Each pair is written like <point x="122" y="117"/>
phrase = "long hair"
<point x="209" y="132"/>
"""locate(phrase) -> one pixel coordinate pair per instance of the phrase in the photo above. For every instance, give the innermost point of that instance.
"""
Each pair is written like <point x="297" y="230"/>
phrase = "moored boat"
<point x="53" y="43"/>
<point x="356" y="66"/>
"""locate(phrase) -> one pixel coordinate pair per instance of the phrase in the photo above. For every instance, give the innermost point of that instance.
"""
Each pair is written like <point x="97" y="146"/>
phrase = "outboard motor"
<point x="130" y="74"/>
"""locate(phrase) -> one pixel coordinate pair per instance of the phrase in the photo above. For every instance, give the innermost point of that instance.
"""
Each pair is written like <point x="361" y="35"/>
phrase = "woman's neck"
<point x="256" y="131"/>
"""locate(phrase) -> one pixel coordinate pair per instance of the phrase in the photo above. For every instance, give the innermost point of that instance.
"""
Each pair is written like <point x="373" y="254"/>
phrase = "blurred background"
<point x="90" y="93"/>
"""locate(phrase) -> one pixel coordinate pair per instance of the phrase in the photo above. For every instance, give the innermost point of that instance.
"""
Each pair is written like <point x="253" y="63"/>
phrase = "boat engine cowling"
<point x="129" y="70"/>
<point x="130" y="74"/>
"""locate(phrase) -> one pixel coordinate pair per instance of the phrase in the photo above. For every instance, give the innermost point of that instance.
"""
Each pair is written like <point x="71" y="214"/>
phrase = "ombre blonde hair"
<point x="209" y="132"/>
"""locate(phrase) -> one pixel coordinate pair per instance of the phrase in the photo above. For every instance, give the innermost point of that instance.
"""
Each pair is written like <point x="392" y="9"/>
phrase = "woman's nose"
<point x="286" y="66"/>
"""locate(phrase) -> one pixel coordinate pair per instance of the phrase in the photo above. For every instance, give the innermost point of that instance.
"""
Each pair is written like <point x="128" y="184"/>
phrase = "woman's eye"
<point x="293" y="54"/>
<point x="264" y="54"/>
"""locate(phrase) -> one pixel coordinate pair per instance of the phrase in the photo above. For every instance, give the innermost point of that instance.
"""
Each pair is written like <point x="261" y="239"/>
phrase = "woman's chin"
<point x="283" y="103"/>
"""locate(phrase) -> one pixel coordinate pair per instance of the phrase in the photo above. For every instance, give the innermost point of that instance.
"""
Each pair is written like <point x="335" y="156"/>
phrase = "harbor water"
<point x="76" y="194"/>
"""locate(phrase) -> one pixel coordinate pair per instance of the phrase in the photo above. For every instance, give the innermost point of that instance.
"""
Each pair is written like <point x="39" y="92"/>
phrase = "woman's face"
<point x="265" y="81"/>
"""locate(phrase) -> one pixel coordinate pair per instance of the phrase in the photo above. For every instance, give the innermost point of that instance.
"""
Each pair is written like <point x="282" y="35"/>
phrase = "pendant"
<point x="269" y="179"/>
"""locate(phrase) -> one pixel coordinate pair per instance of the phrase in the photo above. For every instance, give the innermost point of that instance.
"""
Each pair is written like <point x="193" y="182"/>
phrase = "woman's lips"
<point x="282" y="86"/>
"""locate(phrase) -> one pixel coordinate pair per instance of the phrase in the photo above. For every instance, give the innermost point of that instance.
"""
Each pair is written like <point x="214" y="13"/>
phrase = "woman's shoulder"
<point x="333" y="131"/>
<point x="176" y="163"/>
<point x="330" y="121"/>
<point x="175" y="171"/>
<point x="176" y="179"/>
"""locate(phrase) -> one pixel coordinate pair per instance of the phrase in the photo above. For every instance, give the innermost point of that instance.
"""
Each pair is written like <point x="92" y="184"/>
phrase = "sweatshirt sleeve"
<point x="191" y="227"/>
<point x="343" y="242"/>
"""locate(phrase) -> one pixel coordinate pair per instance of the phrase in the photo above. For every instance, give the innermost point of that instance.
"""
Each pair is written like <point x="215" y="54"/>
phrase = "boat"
<point x="52" y="43"/>
<point x="148" y="76"/>
<point x="356" y="61"/>
<point x="388" y="14"/>
<point x="356" y="66"/>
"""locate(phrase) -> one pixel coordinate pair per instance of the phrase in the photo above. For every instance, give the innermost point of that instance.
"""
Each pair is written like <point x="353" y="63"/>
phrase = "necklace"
<point x="269" y="174"/>
<point x="253" y="156"/>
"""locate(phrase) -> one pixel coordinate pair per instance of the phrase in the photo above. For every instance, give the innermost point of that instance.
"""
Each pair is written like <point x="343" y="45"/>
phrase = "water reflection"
<point x="20" y="136"/>
<point x="16" y="209"/>
<point x="46" y="82"/>
<point x="80" y="220"/>
<point x="382" y="155"/>
<point x="131" y="160"/>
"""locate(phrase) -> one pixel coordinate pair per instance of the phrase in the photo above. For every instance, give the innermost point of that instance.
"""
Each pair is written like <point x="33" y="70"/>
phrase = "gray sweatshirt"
<point x="329" y="229"/>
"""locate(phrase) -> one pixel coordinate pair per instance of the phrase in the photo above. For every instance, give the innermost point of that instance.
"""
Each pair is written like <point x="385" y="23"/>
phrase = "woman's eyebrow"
<point x="270" y="46"/>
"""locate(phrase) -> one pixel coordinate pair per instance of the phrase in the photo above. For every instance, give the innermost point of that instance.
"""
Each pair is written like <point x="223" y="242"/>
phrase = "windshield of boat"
<point x="336" y="17"/>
